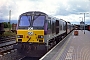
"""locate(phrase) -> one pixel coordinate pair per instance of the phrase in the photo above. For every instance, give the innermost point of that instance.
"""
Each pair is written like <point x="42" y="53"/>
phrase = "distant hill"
<point x="12" y="21"/>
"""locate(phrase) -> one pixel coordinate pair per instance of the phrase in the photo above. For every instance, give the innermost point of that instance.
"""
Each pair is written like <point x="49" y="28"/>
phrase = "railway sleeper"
<point x="7" y="52"/>
<point x="6" y="47"/>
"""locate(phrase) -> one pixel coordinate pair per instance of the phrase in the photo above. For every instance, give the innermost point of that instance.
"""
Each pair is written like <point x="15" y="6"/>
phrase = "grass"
<point x="8" y="33"/>
<point x="6" y="29"/>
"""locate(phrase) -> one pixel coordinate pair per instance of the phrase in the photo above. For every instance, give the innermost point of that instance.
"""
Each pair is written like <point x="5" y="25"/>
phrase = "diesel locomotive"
<point x="37" y="32"/>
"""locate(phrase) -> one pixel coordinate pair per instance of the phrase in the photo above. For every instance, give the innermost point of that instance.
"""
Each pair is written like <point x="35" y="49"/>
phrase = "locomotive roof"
<point x="33" y="12"/>
<point x="40" y="13"/>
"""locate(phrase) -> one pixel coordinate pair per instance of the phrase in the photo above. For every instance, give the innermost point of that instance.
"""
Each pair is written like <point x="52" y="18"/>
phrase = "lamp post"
<point x="81" y="23"/>
<point x="84" y="20"/>
<point x="9" y="20"/>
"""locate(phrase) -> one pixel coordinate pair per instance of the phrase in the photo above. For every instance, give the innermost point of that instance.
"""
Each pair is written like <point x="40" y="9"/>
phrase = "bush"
<point x="7" y="25"/>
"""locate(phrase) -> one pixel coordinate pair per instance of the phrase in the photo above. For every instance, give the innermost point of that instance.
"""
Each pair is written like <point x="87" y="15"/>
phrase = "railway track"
<point x="6" y="45"/>
<point x="7" y="51"/>
<point x="7" y="39"/>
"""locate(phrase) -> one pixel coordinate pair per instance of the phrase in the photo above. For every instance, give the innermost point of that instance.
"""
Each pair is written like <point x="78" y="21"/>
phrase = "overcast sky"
<point x="68" y="10"/>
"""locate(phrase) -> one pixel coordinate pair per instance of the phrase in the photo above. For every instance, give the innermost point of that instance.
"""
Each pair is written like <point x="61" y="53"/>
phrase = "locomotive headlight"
<point x="30" y="33"/>
<point x="40" y="36"/>
<point x="19" y="36"/>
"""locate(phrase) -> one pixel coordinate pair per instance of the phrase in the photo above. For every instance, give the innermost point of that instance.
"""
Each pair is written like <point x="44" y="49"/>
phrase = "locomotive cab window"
<point x="38" y="21"/>
<point x="24" y="21"/>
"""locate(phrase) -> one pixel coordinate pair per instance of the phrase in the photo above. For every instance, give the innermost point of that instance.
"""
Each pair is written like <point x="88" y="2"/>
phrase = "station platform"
<point x="74" y="48"/>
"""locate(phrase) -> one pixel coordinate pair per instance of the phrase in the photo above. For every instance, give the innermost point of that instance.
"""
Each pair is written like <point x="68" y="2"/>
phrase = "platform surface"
<point x="74" y="48"/>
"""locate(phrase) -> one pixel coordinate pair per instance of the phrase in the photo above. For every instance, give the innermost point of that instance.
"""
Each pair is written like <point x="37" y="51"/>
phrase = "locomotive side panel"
<point x="68" y="27"/>
<point x="62" y="26"/>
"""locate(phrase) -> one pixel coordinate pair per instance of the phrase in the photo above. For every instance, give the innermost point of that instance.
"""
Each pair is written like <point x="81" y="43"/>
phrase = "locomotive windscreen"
<point x="36" y="21"/>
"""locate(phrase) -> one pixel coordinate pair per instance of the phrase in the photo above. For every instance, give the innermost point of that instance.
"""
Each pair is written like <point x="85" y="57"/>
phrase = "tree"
<point x="9" y="25"/>
<point x="5" y="24"/>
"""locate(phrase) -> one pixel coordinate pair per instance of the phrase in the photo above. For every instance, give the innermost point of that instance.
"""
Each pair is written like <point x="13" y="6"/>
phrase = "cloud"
<point x="50" y="7"/>
<point x="68" y="10"/>
<point x="73" y="7"/>
<point x="5" y="7"/>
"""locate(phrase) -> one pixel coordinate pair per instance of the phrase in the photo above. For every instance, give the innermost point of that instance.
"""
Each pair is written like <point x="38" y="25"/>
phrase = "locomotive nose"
<point x="32" y="36"/>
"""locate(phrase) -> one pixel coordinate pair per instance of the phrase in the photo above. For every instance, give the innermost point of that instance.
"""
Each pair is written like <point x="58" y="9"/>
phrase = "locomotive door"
<point x="57" y="26"/>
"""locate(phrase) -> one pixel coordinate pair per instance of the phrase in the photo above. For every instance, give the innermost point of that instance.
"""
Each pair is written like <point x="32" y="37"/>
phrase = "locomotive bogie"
<point x="32" y="50"/>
